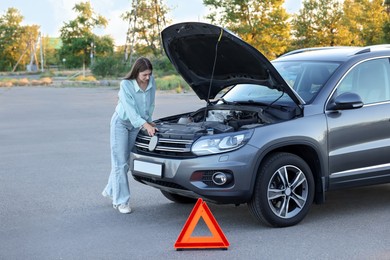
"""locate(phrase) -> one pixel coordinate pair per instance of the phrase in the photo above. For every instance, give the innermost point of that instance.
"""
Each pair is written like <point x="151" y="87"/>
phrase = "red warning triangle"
<point x="217" y="238"/>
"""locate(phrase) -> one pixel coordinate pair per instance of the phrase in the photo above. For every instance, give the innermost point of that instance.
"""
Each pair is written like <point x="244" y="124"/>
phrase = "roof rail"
<point x="364" y="49"/>
<point x="373" y="47"/>
<point x="310" y="49"/>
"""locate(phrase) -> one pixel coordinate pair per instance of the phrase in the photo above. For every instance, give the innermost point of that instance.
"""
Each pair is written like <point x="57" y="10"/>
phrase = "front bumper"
<point x="192" y="177"/>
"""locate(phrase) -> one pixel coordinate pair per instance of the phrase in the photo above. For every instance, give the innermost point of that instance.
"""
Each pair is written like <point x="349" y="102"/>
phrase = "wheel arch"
<point x="310" y="155"/>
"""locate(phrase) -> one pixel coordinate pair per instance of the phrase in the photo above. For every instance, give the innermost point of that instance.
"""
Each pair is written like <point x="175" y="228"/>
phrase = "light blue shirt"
<point x="134" y="104"/>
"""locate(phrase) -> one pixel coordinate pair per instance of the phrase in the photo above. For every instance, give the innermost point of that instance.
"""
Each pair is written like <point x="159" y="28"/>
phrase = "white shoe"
<point x="123" y="208"/>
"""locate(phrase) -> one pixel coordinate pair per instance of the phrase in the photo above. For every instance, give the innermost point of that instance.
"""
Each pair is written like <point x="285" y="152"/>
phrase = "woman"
<point x="134" y="110"/>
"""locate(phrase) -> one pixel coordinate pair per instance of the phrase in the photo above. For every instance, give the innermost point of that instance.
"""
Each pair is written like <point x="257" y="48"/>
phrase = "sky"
<point x="51" y="15"/>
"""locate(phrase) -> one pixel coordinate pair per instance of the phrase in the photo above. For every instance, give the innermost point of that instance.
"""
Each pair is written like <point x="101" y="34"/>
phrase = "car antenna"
<point x="212" y="73"/>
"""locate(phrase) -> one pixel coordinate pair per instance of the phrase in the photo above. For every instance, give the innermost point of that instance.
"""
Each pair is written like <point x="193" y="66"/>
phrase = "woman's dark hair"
<point x="141" y="64"/>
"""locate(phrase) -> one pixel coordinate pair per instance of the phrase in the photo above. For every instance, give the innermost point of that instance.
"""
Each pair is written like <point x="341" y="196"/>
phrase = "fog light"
<point x="220" y="178"/>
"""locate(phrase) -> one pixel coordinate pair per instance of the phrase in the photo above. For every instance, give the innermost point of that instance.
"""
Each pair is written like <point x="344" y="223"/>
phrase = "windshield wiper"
<point x="252" y="102"/>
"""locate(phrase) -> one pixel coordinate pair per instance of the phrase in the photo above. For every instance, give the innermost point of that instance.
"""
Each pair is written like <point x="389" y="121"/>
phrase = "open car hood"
<point x="193" y="48"/>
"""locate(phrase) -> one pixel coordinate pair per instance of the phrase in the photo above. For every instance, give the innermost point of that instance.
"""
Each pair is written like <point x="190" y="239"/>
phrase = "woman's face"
<point x="144" y="76"/>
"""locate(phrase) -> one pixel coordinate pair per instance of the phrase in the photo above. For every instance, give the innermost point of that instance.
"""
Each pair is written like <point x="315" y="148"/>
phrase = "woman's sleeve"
<point x="129" y="105"/>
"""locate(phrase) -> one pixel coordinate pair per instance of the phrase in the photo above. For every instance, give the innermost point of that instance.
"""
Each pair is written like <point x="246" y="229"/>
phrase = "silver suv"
<point x="275" y="135"/>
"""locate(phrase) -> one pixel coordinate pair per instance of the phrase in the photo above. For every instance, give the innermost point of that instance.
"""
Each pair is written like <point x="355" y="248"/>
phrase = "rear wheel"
<point x="284" y="190"/>
<point x="177" y="198"/>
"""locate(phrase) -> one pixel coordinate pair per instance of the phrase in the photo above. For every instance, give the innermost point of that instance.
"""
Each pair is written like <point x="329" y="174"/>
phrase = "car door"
<point x="359" y="139"/>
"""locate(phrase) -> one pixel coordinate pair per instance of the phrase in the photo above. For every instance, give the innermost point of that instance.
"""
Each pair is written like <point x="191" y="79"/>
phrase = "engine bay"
<point x="215" y="120"/>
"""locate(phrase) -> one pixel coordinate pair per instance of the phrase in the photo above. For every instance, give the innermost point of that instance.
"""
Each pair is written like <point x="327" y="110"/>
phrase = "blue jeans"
<point x="122" y="139"/>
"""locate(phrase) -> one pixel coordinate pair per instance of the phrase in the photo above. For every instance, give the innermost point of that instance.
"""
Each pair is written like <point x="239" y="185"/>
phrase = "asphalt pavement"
<point x="55" y="161"/>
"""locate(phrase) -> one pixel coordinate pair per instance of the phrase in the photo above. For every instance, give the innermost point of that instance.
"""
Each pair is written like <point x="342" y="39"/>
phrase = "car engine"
<point x="177" y="133"/>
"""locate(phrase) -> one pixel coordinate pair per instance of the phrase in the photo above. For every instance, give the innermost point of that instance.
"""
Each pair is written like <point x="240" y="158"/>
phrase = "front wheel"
<point x="284" y="190"/>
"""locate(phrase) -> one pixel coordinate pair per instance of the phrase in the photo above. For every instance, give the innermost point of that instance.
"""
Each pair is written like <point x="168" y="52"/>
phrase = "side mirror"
<point x="347" y="100"/>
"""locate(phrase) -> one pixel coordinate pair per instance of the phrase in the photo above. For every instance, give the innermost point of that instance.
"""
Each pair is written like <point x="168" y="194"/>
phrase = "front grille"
<point x="166" y="147"/>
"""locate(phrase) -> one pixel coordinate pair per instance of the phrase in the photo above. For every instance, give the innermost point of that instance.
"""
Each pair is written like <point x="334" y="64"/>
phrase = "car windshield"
<point x="253" y="93"/>
<point x="306" y="77"/>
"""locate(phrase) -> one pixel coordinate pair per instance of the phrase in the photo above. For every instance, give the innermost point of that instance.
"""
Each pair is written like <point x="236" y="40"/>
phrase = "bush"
<point x="35" y="82"/>
<point x="85" y="78"/>
<point x="162" y="66"/>
<point x="6" y="84"/>
<point x="22" y="82"/>
<point x="109" y="67"/>
<point x="9" y="82"/>
<point x="171" y="82"/>
<point x="41" y="82"/>
<point x="46" y="81"/>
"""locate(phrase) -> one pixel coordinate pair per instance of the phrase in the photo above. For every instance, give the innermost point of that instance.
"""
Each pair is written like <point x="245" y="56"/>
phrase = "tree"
<point x="146" y="20"/>
<point x="330" y="23"/>
<point x="263" y="24"/>
<point x="17" y="42"/>
<point x="10" y="31"/>
<point x="365" y="20"/>
<point x="79" y="43"/>
<point x="318" y="23"/>
<point x="50" y="47"/>
<point x="29" y="41"/>
<point x="386" y="31"/>
<point x="386" y="25"/>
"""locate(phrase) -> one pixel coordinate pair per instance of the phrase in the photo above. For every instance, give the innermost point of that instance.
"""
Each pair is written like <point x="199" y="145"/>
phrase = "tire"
<point x="284" y="190"/>
<point x="177" y="198"/>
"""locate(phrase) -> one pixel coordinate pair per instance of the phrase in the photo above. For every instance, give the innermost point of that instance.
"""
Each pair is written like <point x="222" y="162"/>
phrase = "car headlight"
<point x="212" y="144"/>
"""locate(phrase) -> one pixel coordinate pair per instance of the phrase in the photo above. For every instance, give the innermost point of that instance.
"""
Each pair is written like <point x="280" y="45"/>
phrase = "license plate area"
<point x="152" y="169"/>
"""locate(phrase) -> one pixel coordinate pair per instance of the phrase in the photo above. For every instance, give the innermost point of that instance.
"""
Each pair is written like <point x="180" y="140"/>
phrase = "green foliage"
<point x="318" y="23"/>
<point x="109" y="67"/>
<point x="171" y="82"/>
<point x="50" y="53"/>
<point x="262" y="23"/>
<point x="331" y="23"/>
<point x="114" y="66"/>
<point x="368" y="18"/>
<point x="265" y="24"/>
<point x="17" y="42"/>
<point x="10" y="33"/>
<point x="80" y="44"/>
<point x="103" y="46"/>
<point x="83" y="24"/>
<point x="162" y="66"/>
<point x="146" y="19"/>
<point x="386" y="31"/>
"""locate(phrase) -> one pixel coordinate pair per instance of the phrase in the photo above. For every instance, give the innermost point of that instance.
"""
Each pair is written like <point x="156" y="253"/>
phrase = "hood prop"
<point x="212" y="74"/>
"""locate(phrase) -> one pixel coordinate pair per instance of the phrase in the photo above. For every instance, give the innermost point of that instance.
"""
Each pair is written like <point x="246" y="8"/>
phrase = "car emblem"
<point x="153" y="143"/>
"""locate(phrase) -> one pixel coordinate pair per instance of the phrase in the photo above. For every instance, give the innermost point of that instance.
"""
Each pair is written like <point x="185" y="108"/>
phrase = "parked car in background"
<point x="274" y="135"/>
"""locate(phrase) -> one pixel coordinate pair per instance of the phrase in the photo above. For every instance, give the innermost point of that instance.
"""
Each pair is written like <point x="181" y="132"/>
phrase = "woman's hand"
<point x="150" y="127"/>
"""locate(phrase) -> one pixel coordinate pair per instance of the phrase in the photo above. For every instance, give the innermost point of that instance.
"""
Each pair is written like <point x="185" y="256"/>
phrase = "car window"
<point x="370" y="80"/>
<point x="256" y="93"/>
<point x="306" y="78"/>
